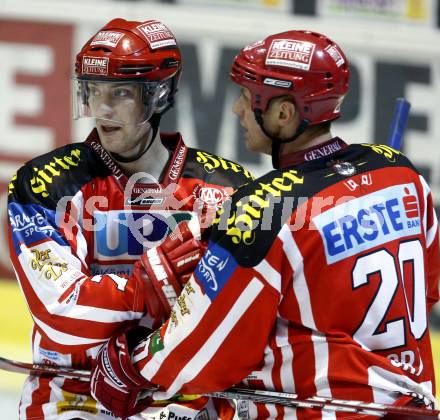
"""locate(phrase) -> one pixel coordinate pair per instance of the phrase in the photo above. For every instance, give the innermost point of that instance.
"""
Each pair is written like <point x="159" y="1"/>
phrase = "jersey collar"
<point x="172" y="141"/>
<point x="312" y="153"/>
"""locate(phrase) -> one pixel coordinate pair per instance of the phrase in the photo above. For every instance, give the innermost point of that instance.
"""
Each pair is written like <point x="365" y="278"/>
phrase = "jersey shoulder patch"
<point x="49" y="177"/>
<point x="215" y="169"/>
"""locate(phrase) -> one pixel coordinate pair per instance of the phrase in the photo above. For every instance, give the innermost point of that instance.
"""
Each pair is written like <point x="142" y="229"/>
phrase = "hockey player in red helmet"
<point x="319" y="275"/>
<point x="83" y="217"/>
<point x="301" y="68"/>
<point x="126" y="78"/>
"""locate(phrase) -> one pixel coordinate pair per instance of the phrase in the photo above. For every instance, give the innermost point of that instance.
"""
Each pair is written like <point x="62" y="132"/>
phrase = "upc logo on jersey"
<point x="95" y="65"/>
<point x="108" y="38"/>
<point x="157" y="34"/>
<point x="126" y="234"/>
<point x="290" y="53"/>
<point x="214" y="269"/>
<point x="369" y="221"/>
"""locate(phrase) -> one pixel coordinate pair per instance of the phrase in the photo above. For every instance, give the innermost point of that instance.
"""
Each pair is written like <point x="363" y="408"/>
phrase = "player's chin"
<point x="113" y="143"/>
<point x="252" y="145"/>
<point x="109" y="135"/>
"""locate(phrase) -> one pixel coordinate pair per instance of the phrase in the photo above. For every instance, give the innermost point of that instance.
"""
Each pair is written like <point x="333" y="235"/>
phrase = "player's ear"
<point x="286" y="112"/>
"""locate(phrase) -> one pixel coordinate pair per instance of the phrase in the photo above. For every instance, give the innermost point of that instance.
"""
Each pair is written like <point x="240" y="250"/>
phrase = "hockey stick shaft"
<point x="398" y="124"/>
<point x="260" y="396"/>
<point x="43" y="370"/>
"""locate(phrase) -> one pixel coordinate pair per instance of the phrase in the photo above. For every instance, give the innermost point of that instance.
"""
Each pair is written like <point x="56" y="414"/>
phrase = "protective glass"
<point x="121" y="102"/>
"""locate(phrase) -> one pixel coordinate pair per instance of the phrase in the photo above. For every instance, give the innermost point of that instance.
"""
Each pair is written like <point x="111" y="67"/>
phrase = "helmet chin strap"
<point x="154" y="122"/>
<point x="277" y="141"/>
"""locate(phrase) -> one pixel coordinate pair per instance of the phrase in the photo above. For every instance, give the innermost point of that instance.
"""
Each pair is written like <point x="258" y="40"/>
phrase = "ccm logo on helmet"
<point x="278" y="83"/>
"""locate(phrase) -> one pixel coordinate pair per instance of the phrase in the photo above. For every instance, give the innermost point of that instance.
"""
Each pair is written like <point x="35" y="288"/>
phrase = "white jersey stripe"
<point x="282" y="340"/>
<point x="31" y="384"/>
<point x="269" y="274"/>
<point x="63" y="338"/>
<point x="320" y="346"/>
<point x="198" y="306"/>
<point x="299" y="282"/>
<point x="206" y="352"/>
<point x="286" y="374"/>
<point x="82" y="250"/>
<point x="302" y="293"/>
<point x="426" y="192"/>
<point x="430" y="235"/>
<point x="431" y="232"/>
<point x="36" y="346"/>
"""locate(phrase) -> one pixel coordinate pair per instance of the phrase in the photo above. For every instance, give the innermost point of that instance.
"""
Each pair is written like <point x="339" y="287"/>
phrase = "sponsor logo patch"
<point x="344" y="168"/>
<point x="212" y="197"/>
<point x="374" y="219"/>
<point x="29" y="223"/>
<point x="126" y="234"/>
<point x="323" y="151"/>
<point x="214" y="269"/>
<point x="95" y="65"/>
<point x="336" y="55"/>
<point x="365" y="179"/>
<point x="176" y="167"/>
<point x="290" y="53"/>
<point x="50" y="267"/>
<point x="144" y="201"/>
<point x="32" y="223"/>
<point x="254" y="45"/>
<point x="54" y="168"/>
<point x="211" y="163"/>
<point x="107" y="38"/>
<point x="249" y="212"/>
<point x="157" y="35"/>
<point x="53" y="356"/>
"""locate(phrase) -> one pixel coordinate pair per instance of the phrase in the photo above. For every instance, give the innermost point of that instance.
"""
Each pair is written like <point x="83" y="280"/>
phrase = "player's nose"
<point x="105" y="110"/>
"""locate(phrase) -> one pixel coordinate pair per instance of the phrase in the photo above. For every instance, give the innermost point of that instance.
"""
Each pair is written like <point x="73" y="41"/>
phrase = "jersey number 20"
<point x="383" y="263"/>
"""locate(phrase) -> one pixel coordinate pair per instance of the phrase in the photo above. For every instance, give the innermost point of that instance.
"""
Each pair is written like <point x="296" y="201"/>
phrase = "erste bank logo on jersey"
<point x="127" y="234"/>
<point x="374" y="219"/>
<point x="214" y="269"/>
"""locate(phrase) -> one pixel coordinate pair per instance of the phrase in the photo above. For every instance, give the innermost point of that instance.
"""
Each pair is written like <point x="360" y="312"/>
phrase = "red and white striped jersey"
<point x="317" y="281"/>
<point x="77" y="225"/>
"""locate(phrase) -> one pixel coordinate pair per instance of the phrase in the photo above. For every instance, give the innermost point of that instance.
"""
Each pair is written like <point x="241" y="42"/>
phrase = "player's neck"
<point x="313" y="136"/>
<point x="152" y="162"/>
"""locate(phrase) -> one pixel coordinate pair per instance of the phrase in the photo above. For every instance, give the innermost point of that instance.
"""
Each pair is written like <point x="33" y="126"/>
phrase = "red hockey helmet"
<point x="305" y="65"/>
<point x="142" y="53"/>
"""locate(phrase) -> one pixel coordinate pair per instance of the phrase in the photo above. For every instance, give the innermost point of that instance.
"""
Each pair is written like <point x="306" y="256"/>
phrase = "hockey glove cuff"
<point x="115" y="383"/>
